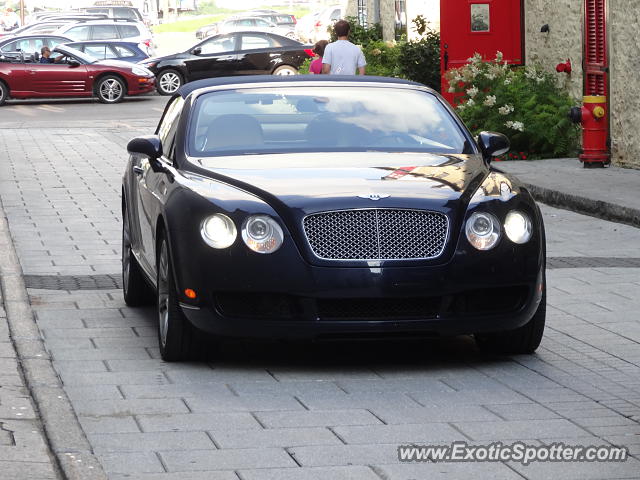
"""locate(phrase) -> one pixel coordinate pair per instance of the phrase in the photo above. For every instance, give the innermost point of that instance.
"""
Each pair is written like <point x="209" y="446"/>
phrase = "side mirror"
<point x="196" y="51"/>
<point x="493" y="144"/>
<point x="73" y="63"/>
<point x="149" y="146"/>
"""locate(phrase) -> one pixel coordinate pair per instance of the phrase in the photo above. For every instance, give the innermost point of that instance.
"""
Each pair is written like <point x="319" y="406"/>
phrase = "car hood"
<point x="314" y="182"/>
<point x="173" y="56"/>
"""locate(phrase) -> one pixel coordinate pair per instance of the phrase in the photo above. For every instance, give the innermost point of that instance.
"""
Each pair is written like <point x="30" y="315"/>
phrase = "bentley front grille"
<point x="377" y="234"/>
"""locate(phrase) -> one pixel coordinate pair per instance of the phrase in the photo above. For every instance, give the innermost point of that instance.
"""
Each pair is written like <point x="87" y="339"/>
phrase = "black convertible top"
<point x="187" y="88"/>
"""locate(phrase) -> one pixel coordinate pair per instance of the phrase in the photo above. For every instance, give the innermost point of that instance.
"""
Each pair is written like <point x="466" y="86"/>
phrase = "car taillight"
<point x="293" y="17"/>
<point x="147" y="42"/>
<point x="318" y="24"/>
<point x="309" y="52"/>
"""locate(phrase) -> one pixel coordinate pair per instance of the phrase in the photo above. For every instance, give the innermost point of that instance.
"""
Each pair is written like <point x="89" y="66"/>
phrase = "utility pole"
<point x="21" y="12"/>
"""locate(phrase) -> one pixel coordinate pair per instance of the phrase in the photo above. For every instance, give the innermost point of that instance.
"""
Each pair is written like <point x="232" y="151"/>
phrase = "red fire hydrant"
<point x="595" y="131"/>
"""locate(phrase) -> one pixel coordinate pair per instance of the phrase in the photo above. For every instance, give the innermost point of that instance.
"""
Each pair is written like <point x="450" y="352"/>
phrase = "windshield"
<point x="322" y="118"/>
<point x="85" y="57"/>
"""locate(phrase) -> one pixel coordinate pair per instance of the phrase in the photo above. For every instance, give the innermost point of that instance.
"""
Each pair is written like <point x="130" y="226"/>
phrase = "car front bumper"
<point x="348" y="302"/>
<point x="140" y="85"/>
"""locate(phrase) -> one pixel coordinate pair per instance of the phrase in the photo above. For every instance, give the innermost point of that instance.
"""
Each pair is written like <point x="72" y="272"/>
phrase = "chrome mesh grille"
<point x="376" y="234"/>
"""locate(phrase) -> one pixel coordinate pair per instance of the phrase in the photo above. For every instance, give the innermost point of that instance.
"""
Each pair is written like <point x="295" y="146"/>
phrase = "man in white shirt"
<point x="343" y="57"/>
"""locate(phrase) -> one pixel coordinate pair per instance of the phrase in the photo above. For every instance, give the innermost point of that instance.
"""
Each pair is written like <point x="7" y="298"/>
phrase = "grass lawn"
<point x="187" y="25"/>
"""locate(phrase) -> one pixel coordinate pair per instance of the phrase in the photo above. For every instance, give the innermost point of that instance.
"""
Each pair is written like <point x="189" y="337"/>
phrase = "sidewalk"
<point x="611" y="193"/>
<point x="24" y="452"/>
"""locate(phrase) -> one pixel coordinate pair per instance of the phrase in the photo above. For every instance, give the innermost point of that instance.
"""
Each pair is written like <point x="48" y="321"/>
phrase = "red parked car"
<point x="74" y="74"/>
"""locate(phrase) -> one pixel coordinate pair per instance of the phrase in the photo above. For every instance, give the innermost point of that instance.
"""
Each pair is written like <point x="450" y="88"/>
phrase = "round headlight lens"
<point x="218" y="231"/>
<point x="262" y="234"/>
<point x="483" y="230"/>
<point x="517" y="226"/>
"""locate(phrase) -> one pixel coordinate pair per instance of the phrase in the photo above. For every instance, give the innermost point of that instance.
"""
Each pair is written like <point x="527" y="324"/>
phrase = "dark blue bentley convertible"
<point x="323" y="207"/>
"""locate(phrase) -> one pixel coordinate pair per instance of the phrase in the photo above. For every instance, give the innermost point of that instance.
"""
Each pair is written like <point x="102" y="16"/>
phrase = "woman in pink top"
<point x="318" y="49"/>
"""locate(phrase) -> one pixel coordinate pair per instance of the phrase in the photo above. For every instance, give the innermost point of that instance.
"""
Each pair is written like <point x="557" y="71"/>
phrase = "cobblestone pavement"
<point x="297" y="411"/>
<point x="23" y="451"/>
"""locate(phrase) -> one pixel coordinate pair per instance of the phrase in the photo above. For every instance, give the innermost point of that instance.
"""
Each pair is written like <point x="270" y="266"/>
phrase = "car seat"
<point x="233" y="130"/>
<point x="330" y="132"/>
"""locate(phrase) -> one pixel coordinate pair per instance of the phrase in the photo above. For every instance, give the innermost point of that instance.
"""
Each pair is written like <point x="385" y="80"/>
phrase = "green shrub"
<point x="382" y="58"/>
<point x="419" y="60"/>
<point x="524" y="103"/>
<point x="304" y="68"/>
<point x="358" y="34"/>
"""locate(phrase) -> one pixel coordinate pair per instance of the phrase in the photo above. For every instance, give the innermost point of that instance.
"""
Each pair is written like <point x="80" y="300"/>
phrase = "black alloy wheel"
<point x="136" y="290"/>
<point x="110" y="89"/>
<point x="177" y="338"/>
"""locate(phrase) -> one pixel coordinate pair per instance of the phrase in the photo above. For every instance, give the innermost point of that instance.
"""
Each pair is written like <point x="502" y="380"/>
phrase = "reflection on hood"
<point x="452" y="173"/>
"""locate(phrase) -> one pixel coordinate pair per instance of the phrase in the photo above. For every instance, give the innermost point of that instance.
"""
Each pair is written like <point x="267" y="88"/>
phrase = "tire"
<point x="525" y="339"/>
<point x="177" y="338"/>
<point x="135" y="288"/>
<point x="110" y="89"/>
<point x="4" y="92"/>
<point x="285" y="70"/>
<point x="169" y="81"/>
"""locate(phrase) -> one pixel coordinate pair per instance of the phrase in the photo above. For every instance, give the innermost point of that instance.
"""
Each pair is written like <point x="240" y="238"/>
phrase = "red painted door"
<point x="59" y="80"/>
<point x="483" y="26"/>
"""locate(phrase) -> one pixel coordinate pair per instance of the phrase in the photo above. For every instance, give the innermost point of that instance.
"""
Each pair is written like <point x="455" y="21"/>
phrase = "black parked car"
<point x="324" y="206"/>
<point x="238" y="53"/>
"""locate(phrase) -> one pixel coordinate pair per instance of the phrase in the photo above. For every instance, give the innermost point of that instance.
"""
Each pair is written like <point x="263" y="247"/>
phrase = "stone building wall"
<point x="564" y="40"/>
<point x="624" y="64"/>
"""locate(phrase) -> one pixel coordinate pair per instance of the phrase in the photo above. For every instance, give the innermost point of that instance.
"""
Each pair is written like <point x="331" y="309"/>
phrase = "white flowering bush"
<point x="524" y="103"/>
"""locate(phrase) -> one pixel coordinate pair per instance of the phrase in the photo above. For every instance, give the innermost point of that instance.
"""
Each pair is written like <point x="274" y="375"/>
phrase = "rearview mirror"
<point x="493" y="144"/>
<point x="196" y="51"/>
<point x="149" y="146"/>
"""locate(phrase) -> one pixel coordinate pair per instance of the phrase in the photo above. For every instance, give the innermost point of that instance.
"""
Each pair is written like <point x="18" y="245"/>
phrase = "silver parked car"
<point x="255" y="24"/>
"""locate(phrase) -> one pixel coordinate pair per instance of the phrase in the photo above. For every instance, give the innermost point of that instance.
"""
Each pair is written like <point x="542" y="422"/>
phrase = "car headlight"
<point x="262" y="234"/>
<point x="483" y="230"/>
<point x="141" y="71"/>
<point x="517" y="226"/>
<point x="218" y="231"/>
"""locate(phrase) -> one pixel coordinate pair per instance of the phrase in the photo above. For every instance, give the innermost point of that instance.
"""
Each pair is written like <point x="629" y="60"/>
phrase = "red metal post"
<point x="594" y="114"/>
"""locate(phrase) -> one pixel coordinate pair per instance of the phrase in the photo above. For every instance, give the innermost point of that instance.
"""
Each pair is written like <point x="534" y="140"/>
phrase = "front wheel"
<point x="110" y="89"/>
<point x="525" y="339"/>
<point x="4" y="92"/>
<point x="285" y="70"/>
<point x="169" y="81"/>
<point x="177" y="338"/>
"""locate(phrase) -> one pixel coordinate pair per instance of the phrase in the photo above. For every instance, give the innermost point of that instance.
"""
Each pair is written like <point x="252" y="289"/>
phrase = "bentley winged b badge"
<point x="374" y="196"/>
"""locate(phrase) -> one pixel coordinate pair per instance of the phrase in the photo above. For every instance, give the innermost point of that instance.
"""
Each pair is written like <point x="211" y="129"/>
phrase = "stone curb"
<point x="587" y="206"/>
<point x="66" y="439"/>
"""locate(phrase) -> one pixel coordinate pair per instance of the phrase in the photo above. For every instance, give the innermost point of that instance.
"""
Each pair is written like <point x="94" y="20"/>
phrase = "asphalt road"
<point x="74" y="112"/>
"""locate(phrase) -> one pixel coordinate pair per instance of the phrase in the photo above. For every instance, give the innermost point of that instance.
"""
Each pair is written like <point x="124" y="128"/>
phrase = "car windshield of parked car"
<point x="322" y="118"/>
